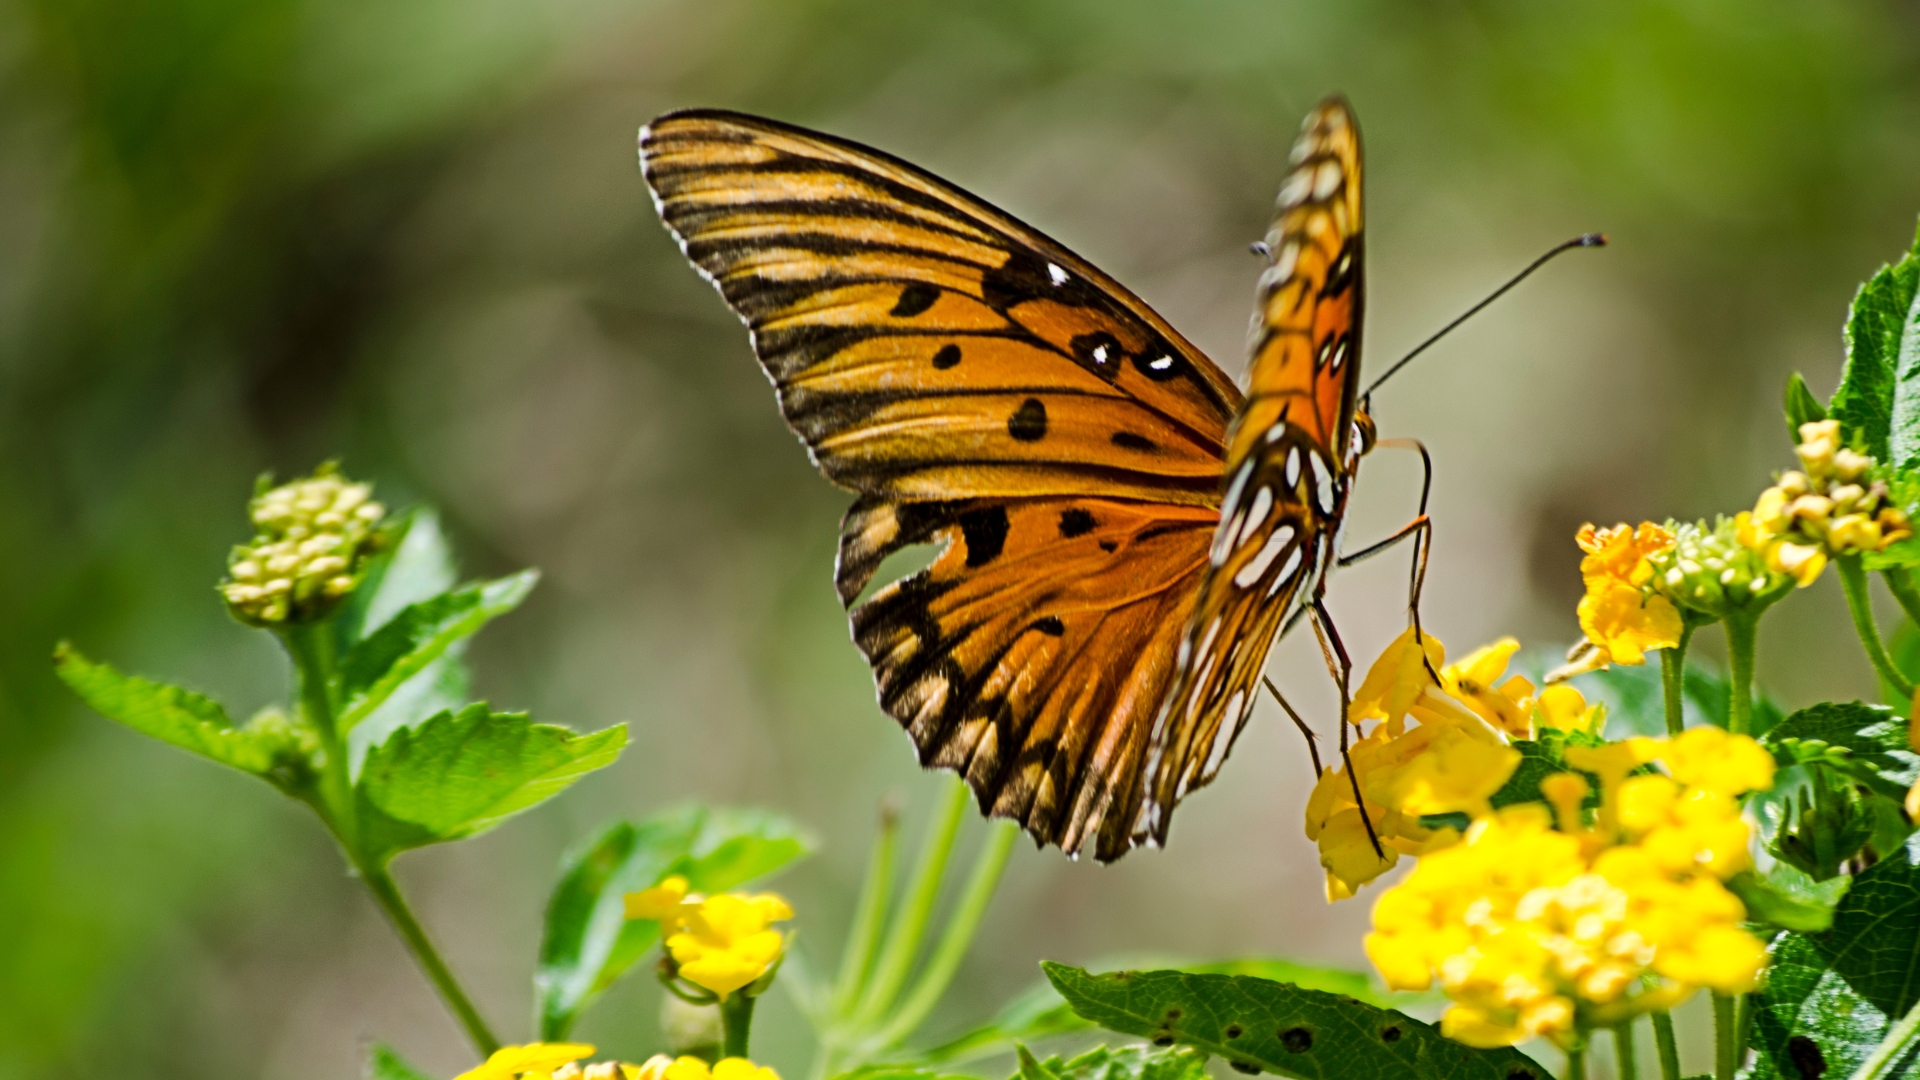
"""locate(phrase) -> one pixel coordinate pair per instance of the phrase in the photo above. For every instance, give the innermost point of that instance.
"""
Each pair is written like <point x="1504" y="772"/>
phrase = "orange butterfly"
<point x="1123" y="532"/>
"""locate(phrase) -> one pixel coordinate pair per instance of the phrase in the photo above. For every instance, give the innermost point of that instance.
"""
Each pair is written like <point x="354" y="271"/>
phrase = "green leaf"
<point x="1540" y="759"/>
<point x="588" y="941"/>
<point x="1874" y="401"/>
<point x="270" y="747"/>
<point x="1040" y="1011"/>
<point x="384" y="1064"/>
<point x="1802" y="407"/>
<point x="1257" y="1025"/>
<point x="417" y="636"/>
<point x="414" y="563"/>
<point x="459" y="774"/>
<point x="1777" y="907"/>
<point x="1865" y="742"/>
<point x="1828" y="996"/>
<point x="897" y="1072"/>
<point x="1118" y="1063"/>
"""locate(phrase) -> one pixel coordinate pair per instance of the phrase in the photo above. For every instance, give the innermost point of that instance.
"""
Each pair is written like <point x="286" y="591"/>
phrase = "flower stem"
<point x="1668" y="1046"/>
<point x="380" y="882"/>
<point x="1900" y="583"/>
<point x="1627" y="1066"/>
<point x="1741" y="631"/>
<point x="958" y="935"/>
<point x="1853" y="580"/>
<point x="910" y="925"/>
<point x="1726" y="1045"/>
<point x="870" y="917"/>
<point x="736" y="1022"/>
<point x="1900" y="1039"/>
<point x="1577" y="1064"/>
<point x="1673" y="680"/>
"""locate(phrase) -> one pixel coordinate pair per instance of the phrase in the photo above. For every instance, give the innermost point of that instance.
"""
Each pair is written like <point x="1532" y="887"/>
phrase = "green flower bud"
<point x="310" y="539"/>
<point x="1709" y="571"/>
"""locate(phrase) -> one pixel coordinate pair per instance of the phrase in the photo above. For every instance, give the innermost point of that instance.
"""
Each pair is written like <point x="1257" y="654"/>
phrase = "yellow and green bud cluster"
<point x="1827" y="508"/>
<point x="1709" y="570"/>
<point x="310" y="538"/>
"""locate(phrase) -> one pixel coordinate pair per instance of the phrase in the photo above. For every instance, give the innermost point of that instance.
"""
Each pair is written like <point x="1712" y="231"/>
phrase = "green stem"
<point x="1900" y="1039"/>
<point x="1625" y="1063"/>
<point x="1668" y="1046"/>
<point x="987" y="868"/>
<point x="1853" y="581"/>
<point x="311" y="646"/>
<point x="1673" y="681"/>
<point x="736" y="1023"/>
<point x="380" y="882"/>
<point x="1577" y="1064"/>
<point x="870" y="916"/>
<point x="1741" y="631"/>
<point x="1726" y="1046"/>
<point x="910" y="925"/>
<point x="1900" y="583"/>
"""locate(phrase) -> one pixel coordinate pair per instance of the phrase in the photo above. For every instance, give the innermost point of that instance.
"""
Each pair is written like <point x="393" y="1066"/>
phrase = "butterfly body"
<point x="1123" y="532"/>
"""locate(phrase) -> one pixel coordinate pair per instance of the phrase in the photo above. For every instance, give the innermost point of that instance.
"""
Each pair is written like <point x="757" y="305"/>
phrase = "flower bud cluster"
<point x="1828" y="507"/>
<point x="1709" y="570"/>
<point x="310" y="537"/>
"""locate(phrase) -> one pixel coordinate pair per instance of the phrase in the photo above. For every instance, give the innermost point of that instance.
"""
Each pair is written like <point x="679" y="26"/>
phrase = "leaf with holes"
<point x="1263" y="1026"/>
<point x="1117" y="1063"/>
<point x="589" y="942"/>
<point x="1041" y="1012"/>
<point x="1828" y="996"/>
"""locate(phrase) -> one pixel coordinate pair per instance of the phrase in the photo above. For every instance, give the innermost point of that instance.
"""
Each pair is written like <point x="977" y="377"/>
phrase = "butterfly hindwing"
<point x="1288" y="467"/>
<point x="986" y="391"/>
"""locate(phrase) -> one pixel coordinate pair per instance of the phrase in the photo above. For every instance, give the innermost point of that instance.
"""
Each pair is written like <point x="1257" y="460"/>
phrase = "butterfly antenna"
<point x="1587" y="241"/>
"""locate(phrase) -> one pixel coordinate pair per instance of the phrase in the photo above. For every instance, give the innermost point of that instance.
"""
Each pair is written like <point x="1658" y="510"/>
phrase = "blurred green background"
<point x="239" y="235"/>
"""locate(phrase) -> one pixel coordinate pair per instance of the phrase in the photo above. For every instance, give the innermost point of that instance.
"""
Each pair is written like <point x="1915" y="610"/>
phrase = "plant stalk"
<point x="1673" y="681"/>
<point x="1899" y="1040"/>
<point x="736" y="1024"/>
<point x="869" y="917"/>
<point x="954" y="941"/>
<point x="909" y="926"/>
<point x="1900" y="583"/>
<point x="1666" y="1044"/>
<point x="1741" y="632"/>
<point x="1726" y="1044"/>
<point x="1625" y="1063"/>
<point x="1577" y="1064"/>
<point x="311" y="646"/>
<point x="380" y="882"/>
<point x="1853" y="581"/>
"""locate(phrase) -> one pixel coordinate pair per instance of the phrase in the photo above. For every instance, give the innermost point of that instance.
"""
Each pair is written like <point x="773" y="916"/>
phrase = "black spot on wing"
<point x="947" y="357"/>
<point x="1160" y="362"/>
<point x="985" y="534"/>
<point x="1098" y="350"/>
<point x="1029" y="422"/>
<point x="1051" y="626"/>
<point x="1127" y="440"/>
<point x="1075" y="521"/>
<point x="914" y="299"/>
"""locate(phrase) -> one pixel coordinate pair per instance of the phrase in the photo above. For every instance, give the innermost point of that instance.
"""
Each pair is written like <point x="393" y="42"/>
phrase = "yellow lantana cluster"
<point x="1827" y="507"/>
<point x="1534" y="930"/>
<point x="309" y="540"/>
<point x="1622" y="614"/>
<point x="1453" y="761"/>
<point x="560" y="1061"/>
<point x="721" y="943"/>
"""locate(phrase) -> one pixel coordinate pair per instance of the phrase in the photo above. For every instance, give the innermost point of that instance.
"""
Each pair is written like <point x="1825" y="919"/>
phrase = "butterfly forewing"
<point x="985" y="390"/>
<point x="1287" y="471"/>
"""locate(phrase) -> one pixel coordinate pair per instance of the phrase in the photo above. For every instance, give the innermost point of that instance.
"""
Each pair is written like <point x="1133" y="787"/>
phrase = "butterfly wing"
<point x="986" y="390"/>
<point x="1286" y="475"/>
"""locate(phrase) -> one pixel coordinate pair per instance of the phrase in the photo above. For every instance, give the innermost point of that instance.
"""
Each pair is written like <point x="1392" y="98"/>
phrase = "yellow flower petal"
<point x="660" y="902"/>
<point x="1397" y="679"/>
<point x="511" y="1061"/>
<point x="687" y="1068"/>
<point x="1624" y="623"/>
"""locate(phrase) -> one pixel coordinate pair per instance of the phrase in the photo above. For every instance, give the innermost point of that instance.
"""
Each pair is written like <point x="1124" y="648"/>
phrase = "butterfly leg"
<point x="1342" y="668"/>
<point x="1422" y="528"/>
<point x="1313" y="743"/>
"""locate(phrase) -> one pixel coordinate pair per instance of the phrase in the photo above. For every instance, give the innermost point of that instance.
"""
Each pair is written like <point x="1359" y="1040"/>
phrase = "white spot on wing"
<point x="1287" y="570"/>
<point x="1100" y="354"/>
<point x="1276" y="431"/>
<point x="1323" y="484"/>
<point x="1162" y="364"/>
<point x="1293" y="466"/>
<point x="1294" y="191"/>
<point x="1326" y="179"/>
<point x="1249" y="574"/>
<point x="1058" y="275"/>
<point x="1257" y="515"/>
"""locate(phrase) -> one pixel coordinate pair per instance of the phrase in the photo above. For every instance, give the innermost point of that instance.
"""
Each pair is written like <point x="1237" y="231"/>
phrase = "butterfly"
<point x="1123" y="532"/>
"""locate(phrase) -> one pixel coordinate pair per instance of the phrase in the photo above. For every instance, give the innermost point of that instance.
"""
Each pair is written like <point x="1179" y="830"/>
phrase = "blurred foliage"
<point x="247" y="235"/>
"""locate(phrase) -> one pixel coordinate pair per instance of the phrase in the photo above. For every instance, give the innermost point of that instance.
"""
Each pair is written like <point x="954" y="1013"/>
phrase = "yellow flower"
<point x="536" y="1060"/>
<point x="1709" y="757"/>
<point x="727" y="941"/>
<point x="1620" y="616"/>
<point x="1398" y="679"/>
<point x="693" y="1068"/>
<point x="1831" y="509"/>
<point x="1475" y="682"/>
<point x="667" y="902"/>
<point x="1565" y="709"/>
<point x="1452" y="772"/>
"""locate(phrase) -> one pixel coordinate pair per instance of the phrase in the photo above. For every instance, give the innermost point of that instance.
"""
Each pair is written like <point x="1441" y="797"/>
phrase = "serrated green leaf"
<point x="1040" y="1012"/>
<point x="413" y="563"/>
<point x="1117" y="1063"/>
<point x="384" y="1064"/>
<point x="1865" y="742"/>
<point x="459" y="774"/>
<point x="1801" y="407"/>
<point x="1828" y="996"/>
<point x="1871" y="389"/>
<point x="417" y="636"/>
<point x="190" y="721"/>
<point x="1260" y="1025"/>
<point x="588" y="942"/>
<point x="1539" y="759"/>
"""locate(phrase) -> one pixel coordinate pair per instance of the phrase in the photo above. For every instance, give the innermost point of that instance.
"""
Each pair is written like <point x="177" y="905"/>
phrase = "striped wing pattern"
<point x="1288" y="467"/>
<point x="981" y="389"/>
